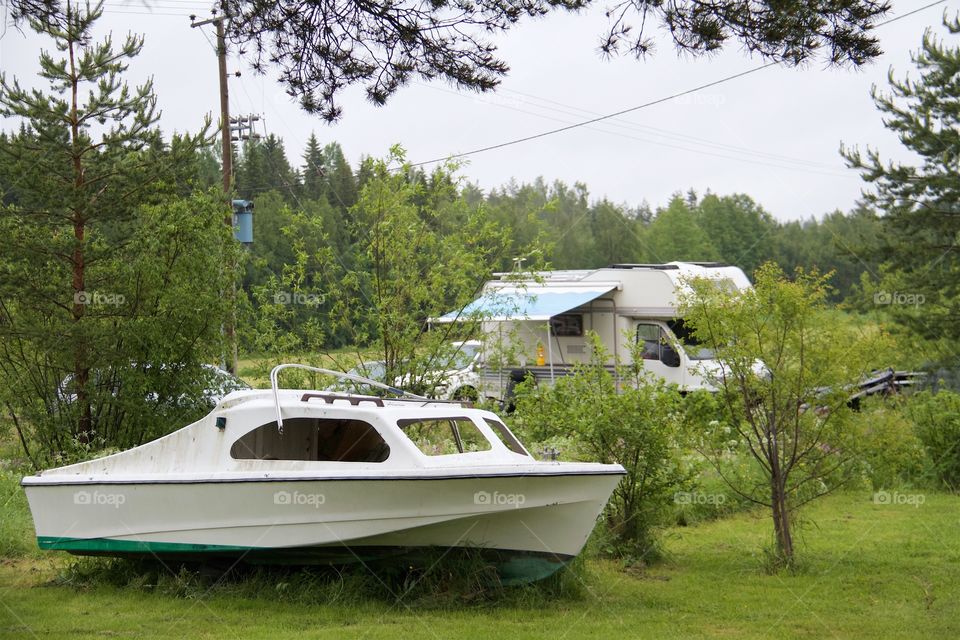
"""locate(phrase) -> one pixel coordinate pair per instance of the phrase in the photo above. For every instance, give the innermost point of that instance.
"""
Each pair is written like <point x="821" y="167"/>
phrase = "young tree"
<point x="920" y="203"/>
<point x="785" y="366"/>
<point x="412" y="263"/>
<point x="94" y="261"/>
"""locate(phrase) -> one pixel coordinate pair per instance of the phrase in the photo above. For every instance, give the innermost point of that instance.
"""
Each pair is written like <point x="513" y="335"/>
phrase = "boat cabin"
<point x="320" y="430"/>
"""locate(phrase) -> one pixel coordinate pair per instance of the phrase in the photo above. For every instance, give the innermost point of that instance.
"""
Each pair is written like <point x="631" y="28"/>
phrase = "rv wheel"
<point x="466" y="393"/>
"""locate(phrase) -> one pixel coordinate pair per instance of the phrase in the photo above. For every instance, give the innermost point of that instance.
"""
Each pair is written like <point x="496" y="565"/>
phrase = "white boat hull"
<point x="549" y="514"/>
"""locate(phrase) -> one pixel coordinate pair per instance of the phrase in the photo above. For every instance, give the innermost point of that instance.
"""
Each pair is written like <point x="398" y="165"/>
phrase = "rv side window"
<point x="567" y="325"/>
<point x="444" y="436"/>
<point x="313" y="439"/>
<point x="648" y="335"/>
<point x="507" y="438"/>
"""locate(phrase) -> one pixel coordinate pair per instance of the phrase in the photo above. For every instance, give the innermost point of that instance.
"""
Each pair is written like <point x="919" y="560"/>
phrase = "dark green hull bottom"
<point x="513" y="567"/>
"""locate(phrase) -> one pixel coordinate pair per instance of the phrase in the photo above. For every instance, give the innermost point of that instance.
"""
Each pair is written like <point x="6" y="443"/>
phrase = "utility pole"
<point x="224" y="102"/>
<point x="229" y="330"/>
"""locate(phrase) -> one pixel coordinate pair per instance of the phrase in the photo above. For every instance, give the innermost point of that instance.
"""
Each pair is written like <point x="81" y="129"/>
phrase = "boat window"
<point x="313" y="439"/>
<point x="443" y="436"/>
<point x="508" y="439"/>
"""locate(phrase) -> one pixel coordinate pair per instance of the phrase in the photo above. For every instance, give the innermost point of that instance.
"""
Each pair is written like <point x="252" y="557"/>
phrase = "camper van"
<point x="538" y="326"/>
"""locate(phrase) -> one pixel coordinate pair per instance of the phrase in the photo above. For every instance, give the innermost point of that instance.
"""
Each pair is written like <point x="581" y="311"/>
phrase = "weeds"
<point x="433" y="579"/>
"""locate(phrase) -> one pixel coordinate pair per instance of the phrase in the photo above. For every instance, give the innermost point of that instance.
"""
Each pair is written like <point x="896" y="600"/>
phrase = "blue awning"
<point x="536" y="302"/>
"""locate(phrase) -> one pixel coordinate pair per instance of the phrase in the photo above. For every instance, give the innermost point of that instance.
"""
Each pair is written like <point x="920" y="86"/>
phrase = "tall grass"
<point x="16" y="526"/>
<point x="435" y="579"/>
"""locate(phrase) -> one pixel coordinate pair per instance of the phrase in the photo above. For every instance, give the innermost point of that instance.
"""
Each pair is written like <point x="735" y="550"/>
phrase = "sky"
<point x="773" y="135"/>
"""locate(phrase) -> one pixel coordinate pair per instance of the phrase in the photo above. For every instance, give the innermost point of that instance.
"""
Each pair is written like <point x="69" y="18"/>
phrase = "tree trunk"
<point x="781" y="517"/>
<point x="81" y="369"/>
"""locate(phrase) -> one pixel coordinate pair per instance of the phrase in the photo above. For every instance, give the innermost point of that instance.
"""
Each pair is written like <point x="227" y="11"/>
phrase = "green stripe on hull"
<point x="514" y="567"/>
<point x="106" y="545"/>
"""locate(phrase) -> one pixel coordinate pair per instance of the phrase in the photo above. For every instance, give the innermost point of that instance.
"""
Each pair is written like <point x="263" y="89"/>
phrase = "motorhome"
<point x="538" y="325"/>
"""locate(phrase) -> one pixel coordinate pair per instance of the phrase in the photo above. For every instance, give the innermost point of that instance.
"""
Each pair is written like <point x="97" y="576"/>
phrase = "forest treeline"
<point x="570" y="229"/>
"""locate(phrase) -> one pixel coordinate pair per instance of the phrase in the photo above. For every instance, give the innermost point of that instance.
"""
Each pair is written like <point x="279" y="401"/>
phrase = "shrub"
<point x="889" y="450"/>
<point x="641" y="427"/>
<point x="936" y="420"/>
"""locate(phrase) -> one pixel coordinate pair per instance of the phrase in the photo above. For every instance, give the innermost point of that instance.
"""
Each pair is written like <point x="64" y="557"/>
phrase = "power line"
<point x="707" y="85"/>
<point x="719" y="150"/>
<point x="666" y="133"/>
<point x="577" y="125"/>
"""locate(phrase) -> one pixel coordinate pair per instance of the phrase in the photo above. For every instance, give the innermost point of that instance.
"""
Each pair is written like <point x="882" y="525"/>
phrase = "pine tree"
<point x="87" y="265"/>
<point x="279" y="175"/>
<point x="341" y="185"/>
<point x="314" y="170"/>
<point x="920" y="203"/>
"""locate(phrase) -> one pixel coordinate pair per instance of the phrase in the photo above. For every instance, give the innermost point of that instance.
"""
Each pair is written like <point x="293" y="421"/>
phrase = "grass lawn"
<point x="869" y="571"/>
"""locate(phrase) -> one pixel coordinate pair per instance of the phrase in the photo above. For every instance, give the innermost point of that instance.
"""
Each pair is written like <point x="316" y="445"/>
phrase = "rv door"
<point x="659" y="353"/>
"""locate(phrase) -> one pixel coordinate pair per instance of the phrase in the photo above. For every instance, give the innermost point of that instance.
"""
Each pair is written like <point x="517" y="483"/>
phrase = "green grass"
<point x="16" y="528"/>
<point x="868" y="571"/>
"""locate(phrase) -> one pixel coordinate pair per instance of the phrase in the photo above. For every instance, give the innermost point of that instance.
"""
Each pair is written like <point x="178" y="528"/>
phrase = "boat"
<point x="284" y="476"/>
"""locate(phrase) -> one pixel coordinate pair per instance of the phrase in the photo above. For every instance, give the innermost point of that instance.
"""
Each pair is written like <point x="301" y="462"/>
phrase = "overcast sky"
<point x="773" y="135"/>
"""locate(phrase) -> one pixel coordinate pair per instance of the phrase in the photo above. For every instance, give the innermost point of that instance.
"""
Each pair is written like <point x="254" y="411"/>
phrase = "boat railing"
<point x="405" y="396"/>
<point x="330" y="398"/>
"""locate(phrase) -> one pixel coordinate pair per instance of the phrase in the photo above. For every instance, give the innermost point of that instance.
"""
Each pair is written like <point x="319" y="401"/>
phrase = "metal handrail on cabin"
<point x="336" y="374"/>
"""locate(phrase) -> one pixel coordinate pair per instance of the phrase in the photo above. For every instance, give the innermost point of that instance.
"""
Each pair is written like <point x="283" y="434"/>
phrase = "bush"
<point x="889" y="450"/>
<point x="715" y="462"/>
<point x="641" y="427"/>
<point x="711" y="497"/>
<point x="936" y="420"/>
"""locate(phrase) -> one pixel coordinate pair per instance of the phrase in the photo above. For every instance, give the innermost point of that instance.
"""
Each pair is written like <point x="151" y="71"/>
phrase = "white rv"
<point x="538" y="326"/>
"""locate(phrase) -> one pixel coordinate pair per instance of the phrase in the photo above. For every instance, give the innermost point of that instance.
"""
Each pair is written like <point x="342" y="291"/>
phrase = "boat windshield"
<point x="444" y="436"/>
<point x="693" y="347"/>
<point x="508" y="439"/>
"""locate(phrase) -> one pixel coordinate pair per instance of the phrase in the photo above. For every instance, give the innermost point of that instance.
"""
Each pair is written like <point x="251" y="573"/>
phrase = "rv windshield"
<point x="464" y="356"/>
<point x="690" y="344"/>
